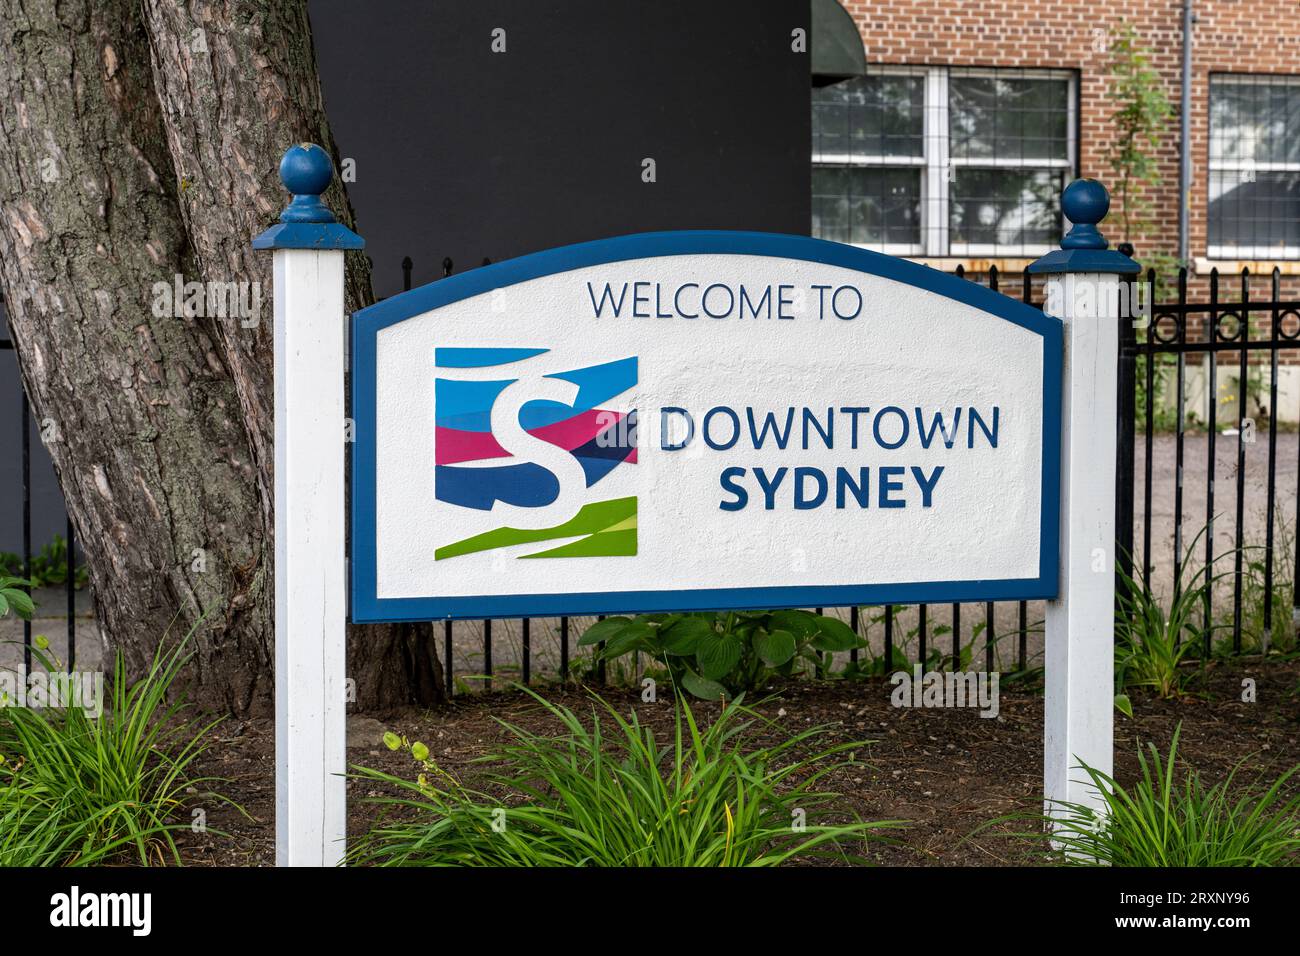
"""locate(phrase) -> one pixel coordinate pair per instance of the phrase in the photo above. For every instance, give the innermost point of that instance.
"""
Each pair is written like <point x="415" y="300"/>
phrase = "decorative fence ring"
<point x="1173" y="337"/>
<point x="1239" y="330"/>
<point x="1282" y="317"/>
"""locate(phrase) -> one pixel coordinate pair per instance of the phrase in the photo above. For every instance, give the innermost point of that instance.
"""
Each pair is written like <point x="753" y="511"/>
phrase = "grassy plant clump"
<point x="615" y="794"/>
<point x="1269" y="631"/>
<point x="1152" y="643"/>
<point x="79" y="789"/>
<point x="1160" y="822"/>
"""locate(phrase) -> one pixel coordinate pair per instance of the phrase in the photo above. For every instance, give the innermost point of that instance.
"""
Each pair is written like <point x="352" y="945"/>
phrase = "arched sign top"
<point x="647" y="245"/>
<point x="701" y="420"/>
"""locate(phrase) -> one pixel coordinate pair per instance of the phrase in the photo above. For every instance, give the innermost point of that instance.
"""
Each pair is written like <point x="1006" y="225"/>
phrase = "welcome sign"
<point x="701" y="420"/>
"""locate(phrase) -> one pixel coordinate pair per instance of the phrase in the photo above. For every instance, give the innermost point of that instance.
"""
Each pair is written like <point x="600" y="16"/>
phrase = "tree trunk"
<point x="134" y="150"/>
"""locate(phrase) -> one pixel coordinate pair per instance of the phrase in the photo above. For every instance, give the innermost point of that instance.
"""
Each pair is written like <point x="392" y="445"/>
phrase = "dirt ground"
<point x="944" y="771"/>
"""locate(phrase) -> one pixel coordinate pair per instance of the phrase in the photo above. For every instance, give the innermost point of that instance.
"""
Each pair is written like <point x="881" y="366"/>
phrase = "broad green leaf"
<point x="637" y="635"/>
<point x="603" y="630"/>
<point x="774" y="648"/>
<point x="834" y="635"/>
<point x="718" y="655"/>
<point x="798" y="623"/>
<point x="684" y="637"/>
<point x="20" y="601"/>
<point x="1124" y="705"/>
<point x="702" y="688"/>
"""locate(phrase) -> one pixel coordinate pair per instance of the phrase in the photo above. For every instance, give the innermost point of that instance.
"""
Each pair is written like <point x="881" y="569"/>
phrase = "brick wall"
<point x="1245" y="36"/>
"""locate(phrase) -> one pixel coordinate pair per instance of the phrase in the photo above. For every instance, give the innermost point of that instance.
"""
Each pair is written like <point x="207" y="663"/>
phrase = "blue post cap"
<point x="1085" y="203"/>
<point x="306" y="171"/>
<point x="307" y="223"/>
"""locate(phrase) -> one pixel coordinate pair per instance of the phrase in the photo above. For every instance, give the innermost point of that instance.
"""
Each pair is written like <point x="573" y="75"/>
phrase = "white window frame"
<point x="856" y="160"/>
<point x="1246" y="169"/>
<point x="937" y="162"/>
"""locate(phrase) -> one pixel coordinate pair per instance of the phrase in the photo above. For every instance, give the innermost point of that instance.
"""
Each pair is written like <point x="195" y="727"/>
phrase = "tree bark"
<point x="134" y="150"/>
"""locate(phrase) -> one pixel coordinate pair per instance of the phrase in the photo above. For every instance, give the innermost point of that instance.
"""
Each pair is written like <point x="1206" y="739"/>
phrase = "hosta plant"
<point x="724" y="654"/>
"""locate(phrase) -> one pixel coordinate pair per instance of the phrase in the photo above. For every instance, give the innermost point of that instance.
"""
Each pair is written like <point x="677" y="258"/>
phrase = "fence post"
<point x="310" y="569"/>
<point x="1083" y="291"/>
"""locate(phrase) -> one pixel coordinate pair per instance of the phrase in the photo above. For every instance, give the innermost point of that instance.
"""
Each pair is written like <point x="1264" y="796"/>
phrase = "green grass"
<point x="1153" y="643"/>
<point x="81" y="790"/>
<point x="1262" y="632"/>
<point x="615" y="794"/>
<point x="1160" y="822"/>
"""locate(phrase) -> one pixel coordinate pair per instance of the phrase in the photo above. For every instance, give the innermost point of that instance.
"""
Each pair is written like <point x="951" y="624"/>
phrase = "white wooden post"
<point x="310" y="559"/>
<point x="1082" y="290"/>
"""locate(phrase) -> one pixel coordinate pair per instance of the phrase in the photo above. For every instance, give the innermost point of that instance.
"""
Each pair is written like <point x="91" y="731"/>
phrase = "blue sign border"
<point x="368" y="607"/>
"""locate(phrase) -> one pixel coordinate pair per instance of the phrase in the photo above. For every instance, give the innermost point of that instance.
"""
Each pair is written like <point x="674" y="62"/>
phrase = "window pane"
<point x="867" y="206"/>
<point x="1008" y="117"/>
<point x="1260" y="211"/>
<point x="1006" y="207"/>
<point x="878" y="115"/>
<point x="1254" y="121"/>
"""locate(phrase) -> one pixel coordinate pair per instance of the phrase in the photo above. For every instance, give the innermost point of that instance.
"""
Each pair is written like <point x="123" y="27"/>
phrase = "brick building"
<point x="953" y="146"/>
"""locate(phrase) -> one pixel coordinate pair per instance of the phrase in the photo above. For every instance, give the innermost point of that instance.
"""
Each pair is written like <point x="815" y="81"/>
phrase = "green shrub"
<point x="1259" y="633"/>
<point x="617" y="795"/>
<point x="728" y="653"/>
<point x="1151" y="643"/>
<point x="1157" y="823"/>
<point x="76" y="789"/>
<point x="49" y="565"/>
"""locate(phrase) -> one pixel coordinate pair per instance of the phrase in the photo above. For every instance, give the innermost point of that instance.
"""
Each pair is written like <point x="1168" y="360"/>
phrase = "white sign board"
<point x="701" y="420"/>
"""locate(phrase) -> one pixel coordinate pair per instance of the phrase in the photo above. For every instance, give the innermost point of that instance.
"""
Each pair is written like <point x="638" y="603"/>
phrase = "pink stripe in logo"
<point x="453" y="445"/>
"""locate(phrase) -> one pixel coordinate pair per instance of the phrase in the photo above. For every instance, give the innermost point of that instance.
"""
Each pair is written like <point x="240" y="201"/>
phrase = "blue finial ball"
<point x="1085" y="201"/>
<point x="306" y="170"/>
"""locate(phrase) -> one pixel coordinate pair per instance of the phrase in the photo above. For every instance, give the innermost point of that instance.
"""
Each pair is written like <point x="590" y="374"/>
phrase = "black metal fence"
<point x="1241" y="334"/>
<point x="70" y="570"/>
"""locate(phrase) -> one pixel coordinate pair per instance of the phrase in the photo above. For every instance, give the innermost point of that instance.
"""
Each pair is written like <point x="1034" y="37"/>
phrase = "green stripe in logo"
<point x="608" y="529"/>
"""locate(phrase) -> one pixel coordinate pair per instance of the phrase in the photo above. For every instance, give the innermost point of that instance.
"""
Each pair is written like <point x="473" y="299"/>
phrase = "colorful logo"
<point x="475" y="469"/>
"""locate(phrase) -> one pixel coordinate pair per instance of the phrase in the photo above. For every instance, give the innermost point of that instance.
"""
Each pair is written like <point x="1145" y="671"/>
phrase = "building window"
<point x="940" y="161"/>
<point x="1254" y="198"/>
